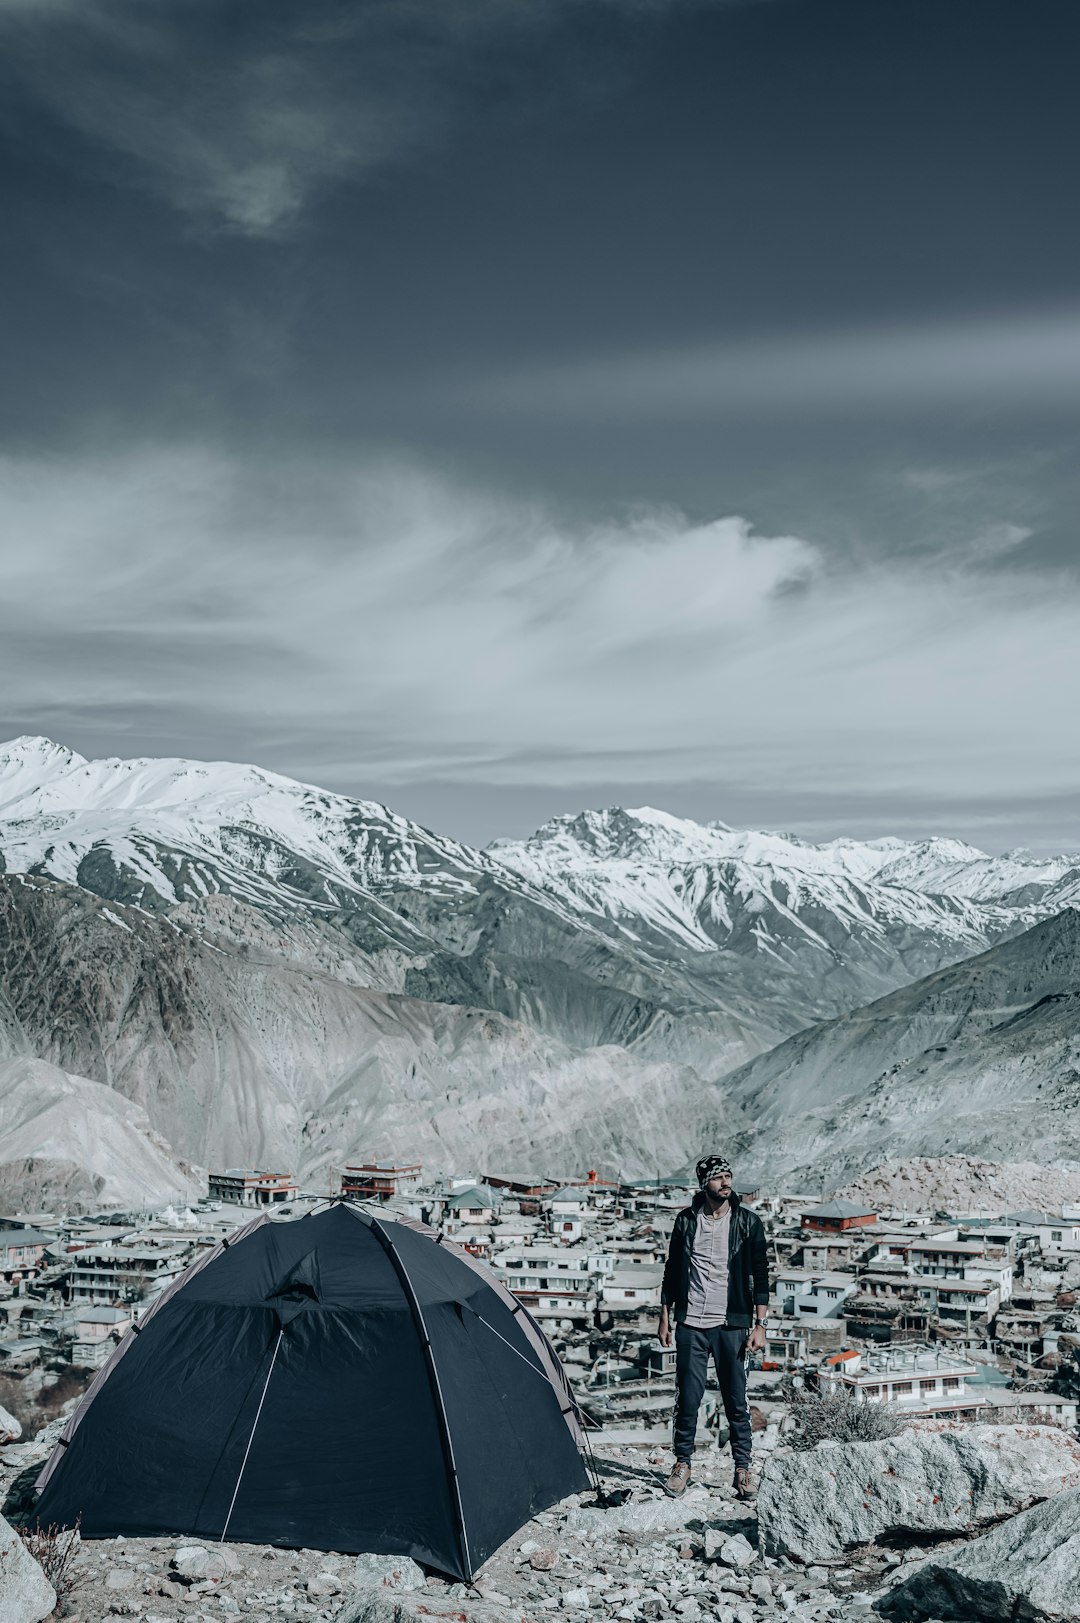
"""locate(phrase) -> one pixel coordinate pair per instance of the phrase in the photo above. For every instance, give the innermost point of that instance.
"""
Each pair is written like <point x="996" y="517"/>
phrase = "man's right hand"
<point x="664" y="1332"/>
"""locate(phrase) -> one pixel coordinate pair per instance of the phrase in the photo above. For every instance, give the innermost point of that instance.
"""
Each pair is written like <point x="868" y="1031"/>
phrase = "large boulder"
<point x="10" y="1428"/>
<point x="817" y="1504"/>
<point x="26" y="1595"/>
<point x="1028" y="1567"/>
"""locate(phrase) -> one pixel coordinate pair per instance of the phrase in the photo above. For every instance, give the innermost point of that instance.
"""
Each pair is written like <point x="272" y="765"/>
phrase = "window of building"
<point x="927" y="1386"/>
<point x="1055" y="1234"/>
<point x="901" y="1389"/>
<point x="872" y="1391"/>
<point x="951" y="1383"/>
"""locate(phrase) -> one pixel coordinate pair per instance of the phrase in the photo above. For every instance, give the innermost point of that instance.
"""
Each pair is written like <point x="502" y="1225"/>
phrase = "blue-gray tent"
<point x="339" y="1381"/>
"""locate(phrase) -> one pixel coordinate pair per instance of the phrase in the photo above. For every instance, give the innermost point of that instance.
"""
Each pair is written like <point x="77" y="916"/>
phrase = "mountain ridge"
<point x="621" y="954"/>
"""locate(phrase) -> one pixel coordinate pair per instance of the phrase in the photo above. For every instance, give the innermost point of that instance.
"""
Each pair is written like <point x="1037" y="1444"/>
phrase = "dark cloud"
<point x="490" y="404"/>
<point x="238" y="113"/>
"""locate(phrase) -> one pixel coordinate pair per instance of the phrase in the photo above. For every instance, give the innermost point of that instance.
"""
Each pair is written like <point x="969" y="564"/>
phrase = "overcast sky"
<point x="499" y="408"/>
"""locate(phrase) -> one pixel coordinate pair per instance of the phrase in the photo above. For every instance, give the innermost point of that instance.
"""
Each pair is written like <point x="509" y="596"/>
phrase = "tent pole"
<point x="436" y="1386"/>
<point x="251" y="1439"/>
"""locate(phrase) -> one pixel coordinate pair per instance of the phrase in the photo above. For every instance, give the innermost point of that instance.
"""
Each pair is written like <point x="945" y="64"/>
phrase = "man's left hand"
<point x="756" y="1342"/>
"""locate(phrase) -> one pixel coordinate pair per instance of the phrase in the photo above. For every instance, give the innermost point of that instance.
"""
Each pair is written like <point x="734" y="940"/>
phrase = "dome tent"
<point x="339" y="1382"/>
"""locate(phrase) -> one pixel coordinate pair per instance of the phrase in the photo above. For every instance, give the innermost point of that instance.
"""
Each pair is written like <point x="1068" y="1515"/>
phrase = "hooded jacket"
<point x="748" y="1263"/>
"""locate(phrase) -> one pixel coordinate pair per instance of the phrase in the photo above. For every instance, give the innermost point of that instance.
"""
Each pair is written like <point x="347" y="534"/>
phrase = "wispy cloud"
<point x="981" y="363"/>
<point x="239" y="119"/>
<point x="389" y="624"/>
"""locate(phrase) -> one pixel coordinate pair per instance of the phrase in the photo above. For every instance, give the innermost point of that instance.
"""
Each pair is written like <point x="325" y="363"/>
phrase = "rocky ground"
<point x="652" y="1559"/>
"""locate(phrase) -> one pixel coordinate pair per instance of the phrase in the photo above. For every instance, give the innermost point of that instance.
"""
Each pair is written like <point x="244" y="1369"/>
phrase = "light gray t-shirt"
<point x="707" y="1303"/>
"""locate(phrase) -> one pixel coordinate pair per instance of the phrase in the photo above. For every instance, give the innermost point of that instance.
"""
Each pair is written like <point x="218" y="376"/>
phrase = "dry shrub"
<point x="839" y="1418"/>
<point x="53" y="1548"/>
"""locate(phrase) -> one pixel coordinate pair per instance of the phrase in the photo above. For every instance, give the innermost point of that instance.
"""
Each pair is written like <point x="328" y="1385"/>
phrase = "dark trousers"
<point x="692" y="1351"/>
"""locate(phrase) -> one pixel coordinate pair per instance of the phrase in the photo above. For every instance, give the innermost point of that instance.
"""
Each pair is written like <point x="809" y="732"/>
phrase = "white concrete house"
<point x="804" y="1295"/>
<point x="632" y="1289"/>
<point x="1062" y="1234"/>
<point x="918" y="1380"/>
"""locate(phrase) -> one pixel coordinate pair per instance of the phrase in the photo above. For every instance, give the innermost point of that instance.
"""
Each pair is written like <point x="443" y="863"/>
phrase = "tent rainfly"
<point x="334" y="1382"/>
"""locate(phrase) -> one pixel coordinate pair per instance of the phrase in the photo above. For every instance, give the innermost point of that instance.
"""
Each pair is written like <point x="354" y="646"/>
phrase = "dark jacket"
<point x="748" y="1263"/>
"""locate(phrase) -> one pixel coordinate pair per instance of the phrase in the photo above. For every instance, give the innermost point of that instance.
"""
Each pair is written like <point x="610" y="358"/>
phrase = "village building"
<point x="112" y="1275"/>
<point x="919" y="1380"/>
<point x="806" y="1295"/>
<point x="971" y="1302"/>
<point x="1056" y="1234"/>
<point x="885" y="1305"/>
<point x="836" y="1216"/>
<point x="22" y="1251"/>
<point x="239" y="1187"/>
<point x="476" y="1203"/>
<point x="786" y="1347"/>
<point x="631" y="1290"/>
<point x="520" y="1183"/>
<point x="96" y="1332"/>
<point x="380" y="1180"/>
<point x="828" y="1252"/>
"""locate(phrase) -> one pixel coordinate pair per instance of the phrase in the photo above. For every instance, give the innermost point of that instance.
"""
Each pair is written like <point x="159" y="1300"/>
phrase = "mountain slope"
<point x="278" y="973"/>
<point x="67" y="1140"/>
<point x="982" y="1057"/>
<point x="245" y="1043"/>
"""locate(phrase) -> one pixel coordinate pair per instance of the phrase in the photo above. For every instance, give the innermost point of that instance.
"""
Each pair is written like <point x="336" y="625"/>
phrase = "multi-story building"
<point x="116" y="1274"/>
<point x="828" y="1252"/>
<point x="918" y="1380"/>
<point x="380" y="1180"/>
<point x="553" y="1284"/>
<point x="238" y="1186"/>
<point x="21" y="1253"/>
<point x="972" y="1302"/>
<point x="805" y="1295"/>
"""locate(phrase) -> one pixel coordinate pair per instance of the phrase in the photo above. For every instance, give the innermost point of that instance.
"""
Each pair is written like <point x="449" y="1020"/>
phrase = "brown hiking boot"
<point x="746" y="1484"/>
<point x="677" y="1481"/>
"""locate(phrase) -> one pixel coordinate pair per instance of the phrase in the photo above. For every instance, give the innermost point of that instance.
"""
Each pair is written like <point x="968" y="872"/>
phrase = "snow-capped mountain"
<point x="627" y="944"/>
<point x="835" y="911"/>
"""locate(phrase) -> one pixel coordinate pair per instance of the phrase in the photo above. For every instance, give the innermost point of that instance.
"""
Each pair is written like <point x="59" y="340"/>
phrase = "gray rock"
<point x="644" y="1516"/>
<point x="393" y="1572"/>
<point x="1028" y="1567"/>
<point x="194" y="1562"/>
<point x="817" y="1504"/>
<point x="26" y="1595"/>
<point x="738" y="1552"/>
<point x="10" y="1428"/>
<point x="118" y="1578"/>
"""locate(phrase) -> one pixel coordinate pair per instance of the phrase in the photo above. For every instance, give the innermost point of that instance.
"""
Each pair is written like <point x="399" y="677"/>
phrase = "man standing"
<point x="716" y="1288"/>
